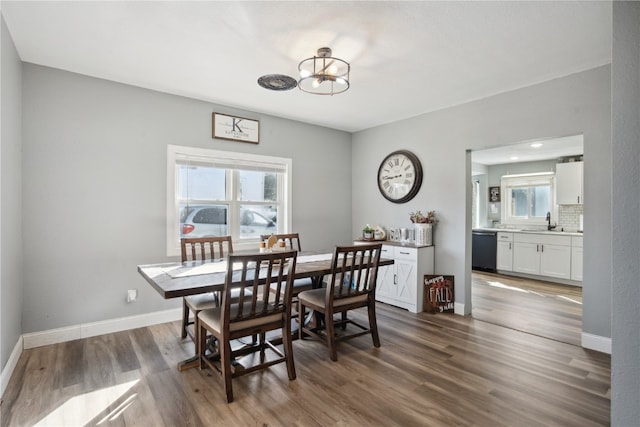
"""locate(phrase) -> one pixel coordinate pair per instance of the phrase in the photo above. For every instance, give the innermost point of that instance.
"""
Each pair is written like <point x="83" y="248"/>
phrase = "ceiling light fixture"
<point x="536" y="145"/>
<point x="324" y="74"/>
<point x="278" y="82"/>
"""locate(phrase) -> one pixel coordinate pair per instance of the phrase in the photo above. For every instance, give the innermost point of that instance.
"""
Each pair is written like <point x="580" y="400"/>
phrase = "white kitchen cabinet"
<point x="542" y="254"/>
<point x="400" y="284"/>
<point x="569" y="183"/>
<point x="504" y="255"/>
<point x="576" y="258"/>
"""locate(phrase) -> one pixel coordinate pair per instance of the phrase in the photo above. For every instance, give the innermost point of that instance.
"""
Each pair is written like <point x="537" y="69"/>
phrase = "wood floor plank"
<point x="432" y="370"/>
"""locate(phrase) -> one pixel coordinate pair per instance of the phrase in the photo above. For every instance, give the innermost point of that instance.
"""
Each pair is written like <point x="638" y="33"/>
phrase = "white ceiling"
<point x="407" y="58"/>
<point x="530" y="151"/>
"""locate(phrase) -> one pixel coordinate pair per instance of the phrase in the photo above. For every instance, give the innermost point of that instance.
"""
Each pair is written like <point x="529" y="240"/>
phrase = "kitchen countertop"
<point x="392" y="243"/>
<point x="530" y="231"/>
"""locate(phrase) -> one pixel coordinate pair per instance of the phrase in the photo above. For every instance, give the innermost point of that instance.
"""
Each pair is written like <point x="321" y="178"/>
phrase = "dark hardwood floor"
<point x="537" y="307"/>
<point x="431" y="370"/>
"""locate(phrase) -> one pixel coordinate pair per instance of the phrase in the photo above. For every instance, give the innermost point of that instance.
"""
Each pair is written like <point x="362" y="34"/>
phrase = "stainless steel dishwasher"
<point x="483" y="249"/>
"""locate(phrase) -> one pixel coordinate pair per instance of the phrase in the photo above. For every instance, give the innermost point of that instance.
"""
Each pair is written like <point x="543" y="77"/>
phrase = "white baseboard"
<point x="596" y="342"/>
<point x="10" y="366"/>
<point x="458" y="308"/>
<point x="54" y="336"/>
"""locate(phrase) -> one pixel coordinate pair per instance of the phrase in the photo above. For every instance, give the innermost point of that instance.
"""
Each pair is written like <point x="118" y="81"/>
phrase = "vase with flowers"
<point x="423" y="227"/>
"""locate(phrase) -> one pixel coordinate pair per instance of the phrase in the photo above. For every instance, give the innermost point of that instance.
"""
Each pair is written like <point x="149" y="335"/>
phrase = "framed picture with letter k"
<point x="236" y="128"/>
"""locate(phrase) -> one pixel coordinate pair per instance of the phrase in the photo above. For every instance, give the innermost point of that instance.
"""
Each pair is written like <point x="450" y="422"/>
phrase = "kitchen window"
<point x="527" y="198"/>
<point x="218" y="193"/>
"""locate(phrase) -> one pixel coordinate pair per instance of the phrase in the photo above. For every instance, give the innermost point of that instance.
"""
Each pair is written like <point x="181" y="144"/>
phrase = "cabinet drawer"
<point x="576" y="241"/>
<point x="386" y="252"/>
<point x="545" y="239"/>
<point x="409" y="254"/>
<point x="505" y="237"/>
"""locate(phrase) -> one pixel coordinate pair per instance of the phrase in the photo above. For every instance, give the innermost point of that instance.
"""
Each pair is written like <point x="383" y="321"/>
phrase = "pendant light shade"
<point x="324" y="74"/>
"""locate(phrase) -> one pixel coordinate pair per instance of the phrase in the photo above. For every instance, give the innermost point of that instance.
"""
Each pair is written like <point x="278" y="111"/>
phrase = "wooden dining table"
<point x="180" y="279"/>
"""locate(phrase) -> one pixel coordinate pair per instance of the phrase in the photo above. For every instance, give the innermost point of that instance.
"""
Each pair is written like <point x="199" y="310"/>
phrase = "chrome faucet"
<point x="549" y="226"/>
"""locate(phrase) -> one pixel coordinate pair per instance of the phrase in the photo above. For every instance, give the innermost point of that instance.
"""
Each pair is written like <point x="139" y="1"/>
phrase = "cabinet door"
<point x="385" y="286"/>
<point x="569" y="183"/>
<point x="406" y="278"/>
<point x="576" y="263"/>
<point x="526" y="258"/>
<point x="504" y="258"/>
<point x="555" y="261"/>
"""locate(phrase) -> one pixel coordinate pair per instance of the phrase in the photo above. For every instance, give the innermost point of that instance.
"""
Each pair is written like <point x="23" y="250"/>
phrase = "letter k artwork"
<point x="236" y="125"/>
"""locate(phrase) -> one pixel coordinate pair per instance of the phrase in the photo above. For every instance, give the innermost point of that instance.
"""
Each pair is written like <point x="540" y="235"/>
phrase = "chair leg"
<point x="185" y="318"/>
<point x="331" y="336"/>
<point x="225" y="365"/>
<point x="201" y="346"/>
<point x="301" y="325"/>
<point x="198" y="333"/>
<point x="373" y="324"/>
<point x="344" y="320"/>
<point x="288" y="350"/>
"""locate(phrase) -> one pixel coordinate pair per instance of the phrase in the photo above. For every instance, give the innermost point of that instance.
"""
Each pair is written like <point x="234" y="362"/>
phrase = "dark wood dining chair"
<point x="292" y="242"/>
<point x="351" y="285"/>
<point x="253" y="311"/>
<point x="201" y="249"/>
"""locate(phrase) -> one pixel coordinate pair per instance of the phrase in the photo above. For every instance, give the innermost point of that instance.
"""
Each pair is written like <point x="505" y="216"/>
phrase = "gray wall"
<point x="94" y="176"/>
<point x="625" y="370"/>
<point x="580" y="103"/>
<point x="10" y="197"/>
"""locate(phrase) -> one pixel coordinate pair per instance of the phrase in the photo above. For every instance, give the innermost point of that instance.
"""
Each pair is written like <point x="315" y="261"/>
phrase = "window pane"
<point x="201" y="183"/>
<point x="256" y="186"/>
<point x="520" y="202"/>
<point x="256" y="220"/>
<point x="203" y="220"/>
<point x="540" y="201"/>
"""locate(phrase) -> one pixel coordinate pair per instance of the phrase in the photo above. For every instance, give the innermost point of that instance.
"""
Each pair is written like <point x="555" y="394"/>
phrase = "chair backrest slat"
<point x="354" y="271"/>
<point x="291" y="240"/>
<point x="205" y="248"/>
<point x="251" y="280"/>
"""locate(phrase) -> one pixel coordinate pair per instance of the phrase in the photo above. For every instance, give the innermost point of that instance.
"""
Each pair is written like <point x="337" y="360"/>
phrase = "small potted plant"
<point x="367" y="232"/>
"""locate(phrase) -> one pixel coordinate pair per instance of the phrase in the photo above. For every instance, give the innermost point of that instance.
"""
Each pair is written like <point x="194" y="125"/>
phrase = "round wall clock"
<point x="400" y="176"/>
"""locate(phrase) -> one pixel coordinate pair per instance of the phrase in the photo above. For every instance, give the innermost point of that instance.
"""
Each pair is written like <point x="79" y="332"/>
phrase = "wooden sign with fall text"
<point x="438" y="293"/>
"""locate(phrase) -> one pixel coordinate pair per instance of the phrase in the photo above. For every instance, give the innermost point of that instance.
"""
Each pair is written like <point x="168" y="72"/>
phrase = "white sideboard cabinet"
<point x="400" y="284"/>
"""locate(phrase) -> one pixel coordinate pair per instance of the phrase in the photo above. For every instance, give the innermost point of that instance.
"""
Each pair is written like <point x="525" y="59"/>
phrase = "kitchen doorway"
<point x="540" y="307"/>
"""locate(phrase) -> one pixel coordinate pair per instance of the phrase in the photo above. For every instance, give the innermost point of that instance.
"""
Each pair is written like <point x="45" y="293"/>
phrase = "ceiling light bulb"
<point x="315" y="83"/>
<point x="305" y="73"/>
<point x="341" y="80"/>
<point x="332" y="70"/>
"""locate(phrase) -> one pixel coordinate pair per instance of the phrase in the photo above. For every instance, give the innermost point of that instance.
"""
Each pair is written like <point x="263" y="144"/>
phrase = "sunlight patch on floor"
<point x="503" y="286"/>
<point x="80" y="410"/>
<point x="569" y="299"/>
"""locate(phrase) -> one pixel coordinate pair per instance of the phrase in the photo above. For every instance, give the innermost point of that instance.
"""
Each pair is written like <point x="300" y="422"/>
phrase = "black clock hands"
<point x="391" y="177"/>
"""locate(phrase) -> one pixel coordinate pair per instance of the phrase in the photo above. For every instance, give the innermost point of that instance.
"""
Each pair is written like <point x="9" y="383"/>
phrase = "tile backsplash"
<point x="569" y="216"/>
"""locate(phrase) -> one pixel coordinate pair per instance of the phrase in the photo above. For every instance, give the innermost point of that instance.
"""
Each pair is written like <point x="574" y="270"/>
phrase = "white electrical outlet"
<point x="132" y="295"/>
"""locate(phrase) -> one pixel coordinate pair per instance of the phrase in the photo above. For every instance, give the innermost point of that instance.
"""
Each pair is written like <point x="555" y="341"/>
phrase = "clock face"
<point x="400" y="176"/>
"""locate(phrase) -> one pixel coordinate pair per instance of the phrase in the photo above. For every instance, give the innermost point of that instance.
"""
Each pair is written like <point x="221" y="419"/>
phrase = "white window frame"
<point x="176" y="153"/>
<point x="507" y="182"/>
